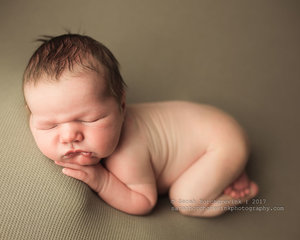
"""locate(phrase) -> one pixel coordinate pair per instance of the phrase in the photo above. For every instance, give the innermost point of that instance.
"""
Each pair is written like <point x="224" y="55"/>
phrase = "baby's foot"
<point x="239" y="188"/>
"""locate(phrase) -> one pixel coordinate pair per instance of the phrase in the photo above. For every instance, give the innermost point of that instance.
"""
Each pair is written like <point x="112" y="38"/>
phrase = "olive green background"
<point x="241" y="56"/>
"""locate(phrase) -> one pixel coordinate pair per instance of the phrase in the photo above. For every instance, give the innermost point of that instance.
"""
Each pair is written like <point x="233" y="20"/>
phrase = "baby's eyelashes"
<point x="85" y="121"/>
<point x="92" y="120"/>
<point x="50" y="126"/>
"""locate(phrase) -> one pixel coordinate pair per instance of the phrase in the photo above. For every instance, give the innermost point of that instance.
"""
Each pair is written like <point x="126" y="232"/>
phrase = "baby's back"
<point x="178" y="133"/>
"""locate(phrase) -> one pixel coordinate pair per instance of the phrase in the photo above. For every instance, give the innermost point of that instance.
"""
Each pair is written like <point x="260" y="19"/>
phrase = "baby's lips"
<point x="71" y="154"/>
<point x="86" y="154"/>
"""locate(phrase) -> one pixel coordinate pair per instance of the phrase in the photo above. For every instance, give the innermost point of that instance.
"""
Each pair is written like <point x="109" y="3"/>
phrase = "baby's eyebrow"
<point x="42" y="121"/>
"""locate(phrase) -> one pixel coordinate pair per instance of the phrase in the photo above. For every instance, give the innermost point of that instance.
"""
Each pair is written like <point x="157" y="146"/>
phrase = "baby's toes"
<point x="228" y="190"/>
<point x="247" y="191"/>
<point x="240" y="185"/>
<point x="234" y="194"/>
<point x="242" y="194"/>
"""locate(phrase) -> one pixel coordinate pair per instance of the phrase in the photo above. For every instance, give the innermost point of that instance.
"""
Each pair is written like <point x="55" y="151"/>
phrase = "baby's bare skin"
<point x="193" y="151"/>
<point x="176" y="136"/>
<point x="161" y="141"/>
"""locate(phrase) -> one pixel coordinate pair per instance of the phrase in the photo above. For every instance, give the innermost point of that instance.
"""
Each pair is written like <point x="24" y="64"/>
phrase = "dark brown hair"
<point x="60" y="53"/>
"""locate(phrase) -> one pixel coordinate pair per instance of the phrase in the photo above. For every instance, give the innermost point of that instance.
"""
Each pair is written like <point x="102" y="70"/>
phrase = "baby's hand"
<point x="92" y="175"/>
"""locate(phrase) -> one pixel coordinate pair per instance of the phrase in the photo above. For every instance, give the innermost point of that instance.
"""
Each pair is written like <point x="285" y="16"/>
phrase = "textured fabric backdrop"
<point x="241" y="56"/>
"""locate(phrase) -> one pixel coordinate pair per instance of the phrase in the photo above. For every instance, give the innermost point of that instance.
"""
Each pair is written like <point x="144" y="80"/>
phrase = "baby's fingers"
<point x="69" y="165"/>
<point x="78" y="174"/>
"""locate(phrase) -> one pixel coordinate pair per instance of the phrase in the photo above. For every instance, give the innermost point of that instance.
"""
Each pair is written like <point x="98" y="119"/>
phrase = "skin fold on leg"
<point x="199" y="191"/>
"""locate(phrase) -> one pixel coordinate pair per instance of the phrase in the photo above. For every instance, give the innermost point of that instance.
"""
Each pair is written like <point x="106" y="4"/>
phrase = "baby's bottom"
<point x="213" y="183"/>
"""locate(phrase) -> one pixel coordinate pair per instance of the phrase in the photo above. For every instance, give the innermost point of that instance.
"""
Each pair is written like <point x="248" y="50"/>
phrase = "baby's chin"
<point x="87" y="162"/>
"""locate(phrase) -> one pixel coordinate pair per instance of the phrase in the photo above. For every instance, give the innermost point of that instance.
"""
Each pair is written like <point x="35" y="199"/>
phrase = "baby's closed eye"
<point x="46" y="127"/>
<point x="92" y="120"/>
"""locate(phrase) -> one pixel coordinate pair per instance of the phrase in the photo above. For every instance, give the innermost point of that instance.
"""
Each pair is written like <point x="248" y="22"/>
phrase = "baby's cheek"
<point x="46" y="146"/>
<point x="51" y="154"/>
<point x="103" y="141"/>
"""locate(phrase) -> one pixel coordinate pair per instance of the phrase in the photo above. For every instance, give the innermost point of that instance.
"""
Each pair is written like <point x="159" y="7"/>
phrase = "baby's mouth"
<point x="73" y="153"/>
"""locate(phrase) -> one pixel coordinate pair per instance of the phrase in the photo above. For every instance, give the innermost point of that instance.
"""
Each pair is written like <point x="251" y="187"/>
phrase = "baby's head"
<point x="76" y="98"/>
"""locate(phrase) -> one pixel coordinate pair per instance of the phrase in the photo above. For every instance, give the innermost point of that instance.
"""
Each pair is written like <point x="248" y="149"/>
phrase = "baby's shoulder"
<point x="131" y="144"/>
<point x="131" y="159"/>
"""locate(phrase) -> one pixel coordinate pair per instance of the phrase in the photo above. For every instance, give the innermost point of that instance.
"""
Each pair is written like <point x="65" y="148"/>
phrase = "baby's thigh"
<point x="209" y="175"/>
<point x="222" y="162"/>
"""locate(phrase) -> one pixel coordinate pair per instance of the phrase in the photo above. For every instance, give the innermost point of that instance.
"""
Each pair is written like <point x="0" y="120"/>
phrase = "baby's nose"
<point x="70" y="134"/>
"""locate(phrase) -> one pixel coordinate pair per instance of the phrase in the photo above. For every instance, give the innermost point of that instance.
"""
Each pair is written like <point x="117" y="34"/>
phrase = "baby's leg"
<point x="199" y="191"/>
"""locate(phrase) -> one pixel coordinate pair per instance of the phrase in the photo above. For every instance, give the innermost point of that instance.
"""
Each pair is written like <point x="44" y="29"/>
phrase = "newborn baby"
<point x="130" y="154"/>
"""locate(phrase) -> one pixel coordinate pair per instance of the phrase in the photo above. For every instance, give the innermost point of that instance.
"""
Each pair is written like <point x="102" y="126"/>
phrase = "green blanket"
<point x="242" y="56"/>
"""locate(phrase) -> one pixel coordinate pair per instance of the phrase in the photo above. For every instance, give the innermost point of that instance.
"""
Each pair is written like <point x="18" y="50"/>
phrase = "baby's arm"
<point x="127" y="181"/>
<point x="130" y="198"/>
